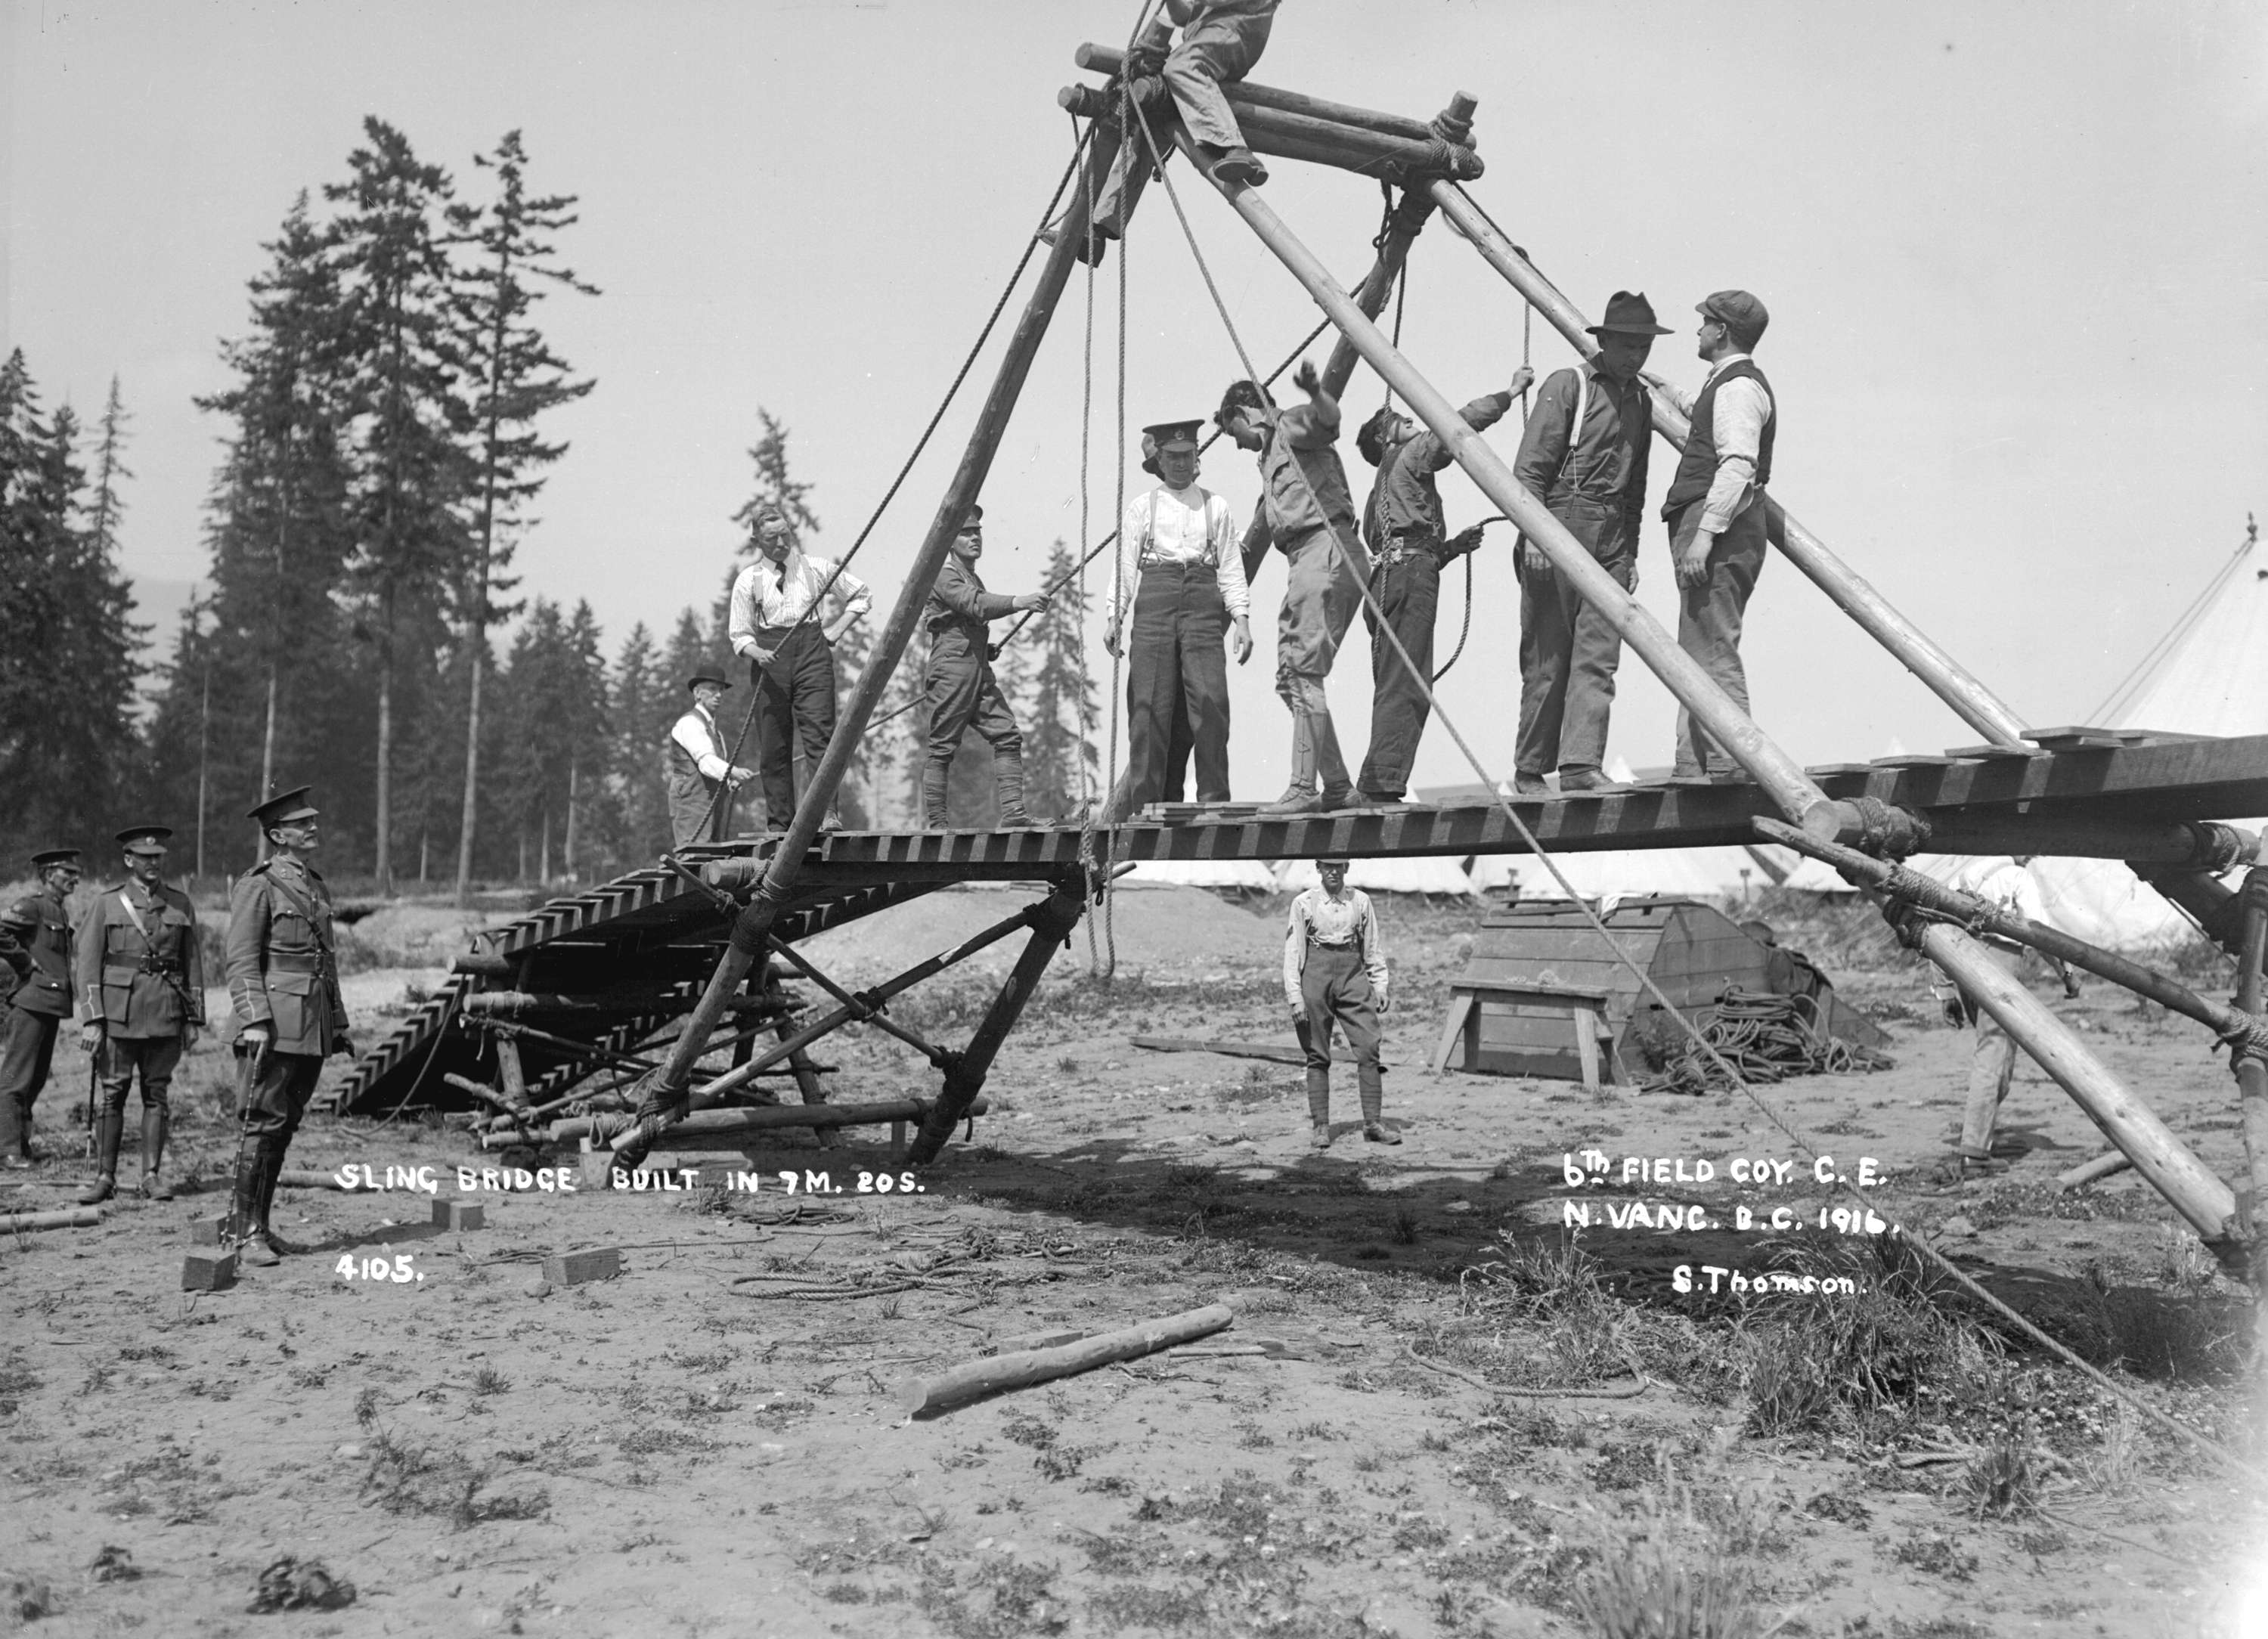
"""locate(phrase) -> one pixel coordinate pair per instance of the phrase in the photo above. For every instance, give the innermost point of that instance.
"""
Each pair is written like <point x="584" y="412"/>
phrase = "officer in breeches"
<point x="37" y="926"/>
<point x="141" y="979"/>
<point x="283" y="982"/>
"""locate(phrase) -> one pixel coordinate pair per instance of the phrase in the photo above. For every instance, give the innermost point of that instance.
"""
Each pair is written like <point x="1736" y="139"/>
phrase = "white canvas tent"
<point x="1431" y="875"/>
<point x="1704" y="873"/>
<point x="1203" y="873"/>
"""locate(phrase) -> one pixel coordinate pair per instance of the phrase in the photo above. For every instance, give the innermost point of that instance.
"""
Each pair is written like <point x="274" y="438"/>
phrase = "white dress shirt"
<point x="1349" y="920"/>
<point x="1189" y="526"/>
<point x="1737" y="422"/>
<point x="696" y="732"/>
<point x="766" y="594"/>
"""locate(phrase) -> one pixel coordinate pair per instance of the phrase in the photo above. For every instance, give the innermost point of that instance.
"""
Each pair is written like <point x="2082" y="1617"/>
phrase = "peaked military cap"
<point x="54" y="856"/>
<point x="1166" y="435"/>
<point x="284" y="807"/>
<point x="975" y="514"/>
<point x="699" y="678"/>
<point x="1628" y="313"/>
<point x="151" y="839"/>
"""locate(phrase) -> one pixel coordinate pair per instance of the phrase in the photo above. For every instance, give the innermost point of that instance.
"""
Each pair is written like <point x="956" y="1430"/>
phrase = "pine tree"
<point x="519" y="378"/>
<point x="404" y="369"/>
<point x="105" y="508"/>
<point x="774" y="485"/>
<point x="1060" y="765"/>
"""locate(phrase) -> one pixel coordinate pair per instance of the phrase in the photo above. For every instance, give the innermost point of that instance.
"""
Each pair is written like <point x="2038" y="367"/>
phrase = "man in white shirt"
<point x="777" y="624"/>
<point x="1334" y="971"/>
<point x="2007" y="885"/>
<point x="1716" y="513"/>
<point x="698" y="768"/>
<point x="1182" y="577"/>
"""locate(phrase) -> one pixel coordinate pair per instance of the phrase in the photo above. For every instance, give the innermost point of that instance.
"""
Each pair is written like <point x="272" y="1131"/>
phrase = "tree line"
<point x="383" y="447"/>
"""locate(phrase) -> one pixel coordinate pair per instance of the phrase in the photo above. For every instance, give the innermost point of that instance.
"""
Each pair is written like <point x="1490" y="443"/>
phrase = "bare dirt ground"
<point x="1424" y="1421"/>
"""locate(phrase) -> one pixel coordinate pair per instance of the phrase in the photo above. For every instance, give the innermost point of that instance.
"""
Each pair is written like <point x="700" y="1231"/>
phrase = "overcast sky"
<point x="2014" y="254"/>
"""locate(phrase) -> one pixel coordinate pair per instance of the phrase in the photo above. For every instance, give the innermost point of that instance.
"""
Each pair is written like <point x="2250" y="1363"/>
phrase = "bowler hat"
<point x="54" y="856"/>
<point x="284" y="808"/>
<point x="1628" y="313"/>
<point x="699" y="678"/>
<point x="144" y="839"/>
<point x="1737" y="308"/>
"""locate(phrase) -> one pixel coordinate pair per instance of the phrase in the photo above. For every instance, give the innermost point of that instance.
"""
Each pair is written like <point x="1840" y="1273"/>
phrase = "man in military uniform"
<point x="142" y="979"/>
<point x="39" y="924"/>
<point x="284" y="986"/>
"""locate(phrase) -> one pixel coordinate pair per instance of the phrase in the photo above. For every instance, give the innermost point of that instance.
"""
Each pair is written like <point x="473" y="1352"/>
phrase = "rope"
<point x="1771" y="1037"/>
<point x="1646" y="982"/>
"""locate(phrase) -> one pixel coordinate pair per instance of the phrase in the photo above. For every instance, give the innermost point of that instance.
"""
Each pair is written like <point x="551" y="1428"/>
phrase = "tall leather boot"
<point x="270" y="1175"/>
<point x="1373" y="1104"/>
<point x="246" y="1221"/>
<point x="1331" y="767"/>
<point x="1319" y="1108"/>
<point x="109" y="1128"/>
<point x="936" y="778"/>
<point x="1008" y="782"/>
<point x="1299" y="795"/>
<point x="156" y="1120"/>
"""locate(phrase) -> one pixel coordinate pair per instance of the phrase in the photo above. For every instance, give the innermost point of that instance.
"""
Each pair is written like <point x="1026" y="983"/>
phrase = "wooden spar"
<point x="1911" y="885"/>
<point x="61" y="1218"/>
<point x="1319" y="142"/>
<point x="466" y="1083"/>
<point x="2216" y="906"/>
<point x="2208" y="1203"/>
<point x="509" y="1072"/>
<point x="2252" y="1102"/>
<point x="752" y="928"/>
<point x="1782" y="778"/>
<point x="767" y="1118"/>
<point x="2153" y="842"/>
<point x="1947" y="678"/>
<point x="917" y="1396"/>
<point x="1052" y="920"/>
<point x="1243" y="95"/>
<point x="2109" y="1162"/>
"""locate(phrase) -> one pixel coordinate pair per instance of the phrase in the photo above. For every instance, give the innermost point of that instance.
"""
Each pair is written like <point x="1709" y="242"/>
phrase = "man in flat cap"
<point x="1716" y="511"/>
<point x="1306" y="513"/>
<point x="1335" y="974"/>
<point x="283" y="982"/>
<point x="38" y="926"/>
<point x="957" y="681"/>
<point x="779" y="626"/>
<point x="1584" y="455"/>
<point x="1180" y="579"/>
<point x="1409" y="544"/>
<point x="698" y="768"/>
<point x="142" y="979"/>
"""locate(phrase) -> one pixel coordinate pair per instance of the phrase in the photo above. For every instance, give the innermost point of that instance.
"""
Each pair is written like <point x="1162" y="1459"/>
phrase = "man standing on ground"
<point x="699" y="769"/>
<point x="1716" y="513"/>
<point x="1334" y="972"/>
<point x="283" y="982"/>
<point x="776" y="624"/>
<point x="1306" y="514"/>
<point x="958" y="683"/>
<point x="1409" y="546"/>
<point x="40" y="923"/>
<point x="143" y="978"/>
<point x="1584" y="455"/>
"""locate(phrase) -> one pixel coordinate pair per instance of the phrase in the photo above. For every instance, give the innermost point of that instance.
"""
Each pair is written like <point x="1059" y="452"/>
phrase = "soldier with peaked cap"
<point x="1335" y="974"/>
<point x="284" y="982"/>
<point x="38" y="926"/>
<point x="1181" y="577"/>
<point x="957" y="678"/>
<point x="1717" y="514"/>
<point x="142" y="979"/>
<point x="700" y="772"/>
<point x="1584" y="456"/>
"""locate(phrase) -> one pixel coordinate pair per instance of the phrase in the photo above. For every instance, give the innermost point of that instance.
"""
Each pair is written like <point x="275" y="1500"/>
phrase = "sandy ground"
<point x="708" y="1443"/>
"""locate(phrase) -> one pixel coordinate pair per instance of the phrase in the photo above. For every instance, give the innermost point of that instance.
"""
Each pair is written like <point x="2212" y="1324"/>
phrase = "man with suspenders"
<point x="1584" y="455"/>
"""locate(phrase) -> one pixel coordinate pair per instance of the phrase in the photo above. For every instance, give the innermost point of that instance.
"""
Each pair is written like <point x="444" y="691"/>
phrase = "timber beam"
<point x="1285" y="134"/>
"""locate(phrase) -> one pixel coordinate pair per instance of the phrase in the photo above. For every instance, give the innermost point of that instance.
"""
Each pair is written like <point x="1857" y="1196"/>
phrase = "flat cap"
<point x="284" y="807"/>
<point x="1737" y="308"/>
<point x="54" y="856"/>
<point x="145" y="839"/>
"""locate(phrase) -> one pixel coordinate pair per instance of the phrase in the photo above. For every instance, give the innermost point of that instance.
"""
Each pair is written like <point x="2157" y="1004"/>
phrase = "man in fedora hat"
<point x="283" y="982"/>
<point x="698" y="768"/>
<point x="1717" y="514"/>
<point x="1584" y="454"/>
<point x="958" y="683"/>
<point x="39" y="924"/>
<point x="142" y="979"/>
<point x="779" y="624"/>
<point x="1409" y="547"/>
<point x="1180" y="584"/>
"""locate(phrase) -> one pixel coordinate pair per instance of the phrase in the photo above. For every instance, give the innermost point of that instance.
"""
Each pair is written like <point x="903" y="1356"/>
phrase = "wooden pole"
<point x="65" y="1217"/>
<point x="1782" y="778"/>
<point x="1947" y="678"/>
<point x="920" y="1396"/>
<point x="2218" y="909"/>
<point x="764" y="1119"/>
<point x="2252" y="1103"/>
<point x="2152" y="843"/>
<point x="2102" y="1167"/>
<point x="1291" y="136"/>
<point x="752" y="928"/>
<point x="2208" y="1203"/>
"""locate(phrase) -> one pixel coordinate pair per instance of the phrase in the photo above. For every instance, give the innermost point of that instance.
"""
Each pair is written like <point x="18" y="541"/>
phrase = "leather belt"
<point x="293" y="963"/>
<point x="1401" y="548"/>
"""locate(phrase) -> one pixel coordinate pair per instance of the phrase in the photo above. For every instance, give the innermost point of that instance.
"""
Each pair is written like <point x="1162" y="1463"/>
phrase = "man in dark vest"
<point x="283" y="982"/>
<point x="699" y="772"/>
<point x="1584" y="454"/>
<point x="142" y="979"/>
<point x="39" y="924"/>
<point x="1409" y="546"/>
<point x="1716" y="513"/>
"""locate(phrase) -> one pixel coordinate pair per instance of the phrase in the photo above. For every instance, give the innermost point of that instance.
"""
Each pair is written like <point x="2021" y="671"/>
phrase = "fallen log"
<point x="1275" y="1053"/>
<point x="66" y="1217"/>
<point x="999" y="1373"/>
<point x="2087" y="1172"/>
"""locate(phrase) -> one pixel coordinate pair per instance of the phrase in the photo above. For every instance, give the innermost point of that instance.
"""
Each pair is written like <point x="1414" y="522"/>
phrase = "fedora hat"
<point x="1628" y="313"/>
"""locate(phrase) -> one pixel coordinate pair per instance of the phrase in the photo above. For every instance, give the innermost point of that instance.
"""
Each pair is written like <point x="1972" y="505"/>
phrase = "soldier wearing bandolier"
<point x="701" y="777"/>
<point x="284" y="982"/>
<point x="1410" y="544"/>
<point x="142" y="981"/>
<point x="1584" y="454"/>
<point x="39" y="924"/>
<point x="958" y="683"/>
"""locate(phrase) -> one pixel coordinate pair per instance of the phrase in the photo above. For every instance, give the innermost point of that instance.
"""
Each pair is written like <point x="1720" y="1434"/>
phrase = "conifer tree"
<point x="1060" y="764"/>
